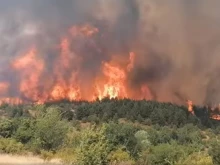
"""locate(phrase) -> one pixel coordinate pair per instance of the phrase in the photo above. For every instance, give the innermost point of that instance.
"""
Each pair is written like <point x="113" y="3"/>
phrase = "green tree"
<point x="189" y="134"/>
<point x="7" y="128"/>
<point x="94" y="147"/>
<point x="50" y="130"/>
<point x="168" y="154"/>
<point x="123" y="135"/>
<point x="143" y="139"/>
<point x="25" y="131"/>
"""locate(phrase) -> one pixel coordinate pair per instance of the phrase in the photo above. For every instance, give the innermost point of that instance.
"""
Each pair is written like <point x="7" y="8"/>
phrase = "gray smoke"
<point x="177" y="42"/>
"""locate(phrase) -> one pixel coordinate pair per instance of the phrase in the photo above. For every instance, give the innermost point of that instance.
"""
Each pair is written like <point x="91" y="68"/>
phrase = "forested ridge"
<point x="122" y="132"/>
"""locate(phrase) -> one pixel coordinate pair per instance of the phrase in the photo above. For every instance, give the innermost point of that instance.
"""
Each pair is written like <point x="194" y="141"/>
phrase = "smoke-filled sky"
<point x="176" y="42"/>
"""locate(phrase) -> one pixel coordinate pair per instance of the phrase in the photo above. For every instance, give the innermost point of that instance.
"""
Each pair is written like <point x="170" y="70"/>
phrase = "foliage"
<point x="215" y="152"/>
<point x="125" y="132"/>
<point x="199" y="158"/>
<point x="189" y="134"/>
<point x="123" y="135"/>
<point x="25" y="130"/>
<point x="120" y="156"/>
<point x="143" y="139"/>
<point x="168" y="154"/>
<point x="94" y="147"/>
<point x="50" y="130"/>
<point x="67" y="155"/>
<point x="6" y="128"/>
<point x="11" y="146"/>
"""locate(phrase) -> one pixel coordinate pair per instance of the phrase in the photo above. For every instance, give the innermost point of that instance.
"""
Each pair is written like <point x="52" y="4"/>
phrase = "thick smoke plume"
<point x="153" y="49"/>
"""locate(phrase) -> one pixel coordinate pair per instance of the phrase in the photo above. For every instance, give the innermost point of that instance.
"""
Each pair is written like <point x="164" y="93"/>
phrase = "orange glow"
<point x="12" y="101"/>
<point x="65" y="52"/>
<point x="3" y="87"/>
<point x="216" y="117"/>
<point x="145" y="92"/>
<point x="86" y="30"/>
<point x="190" y="106"/>
<point x="63" y="89"/>
<point x="30" y="68"/>
<point x="131" y="63"/>
<point x="64" y="81"/>
<point x="113" y="85"/>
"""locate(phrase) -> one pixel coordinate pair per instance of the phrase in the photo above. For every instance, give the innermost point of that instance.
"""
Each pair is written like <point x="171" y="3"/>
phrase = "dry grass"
<point x="24" y="160"/>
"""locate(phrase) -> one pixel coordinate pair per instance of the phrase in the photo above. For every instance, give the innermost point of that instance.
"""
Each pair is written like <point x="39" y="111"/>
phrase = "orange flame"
<point x="30" y="68"/>
<point x="190" y="106"/>
<point x="216" y="117"/>
<point x="215" y="109"/>
<point x="64" y="82"/>
<point x="113" y="86"/>
<point x="12" y="101"/>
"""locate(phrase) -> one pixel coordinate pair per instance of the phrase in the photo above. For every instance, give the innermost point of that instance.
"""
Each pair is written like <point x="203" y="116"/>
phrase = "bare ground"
<point x="24" y="160"/>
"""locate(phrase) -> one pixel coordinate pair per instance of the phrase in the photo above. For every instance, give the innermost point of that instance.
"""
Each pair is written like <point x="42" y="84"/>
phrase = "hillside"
<point x="112" y="132"/>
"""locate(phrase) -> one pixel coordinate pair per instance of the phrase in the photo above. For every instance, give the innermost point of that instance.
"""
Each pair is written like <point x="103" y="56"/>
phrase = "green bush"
<point x="143" y="139"/>
<point x="94" y="147"/>
<point x="123" y="135"/>
<point x="168" y="154"/>
<point x="50" y="131"/>
<point x="120" y="156"/>
<point x="11" y="146"/>
<point x="67" y="155"/>
<point x="199" y="158"/>
<point x="189" y="134"/>
<point x="25" y="130"/>
<point x="7" y="128"/>
<point x="215" y="152"/>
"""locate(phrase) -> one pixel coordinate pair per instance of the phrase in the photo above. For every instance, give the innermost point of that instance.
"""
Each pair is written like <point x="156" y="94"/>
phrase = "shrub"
<point x="123" y="135"/>
<point x="67" y="155"/>
<point x="25" y="130"/>
<point x="197" y="159"/>
<point x="7" y="128"/>
<point x="215" y="153"/>
<point x="11" y="146"/>
<point x="120" y="156"/>
<point x="50" y="131"/>
<point x="169" y="154"/>
<point x="94" y="147"/>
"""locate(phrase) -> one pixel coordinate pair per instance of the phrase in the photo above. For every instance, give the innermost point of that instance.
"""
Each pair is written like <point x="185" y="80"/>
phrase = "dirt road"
<point x="24" y="160"/>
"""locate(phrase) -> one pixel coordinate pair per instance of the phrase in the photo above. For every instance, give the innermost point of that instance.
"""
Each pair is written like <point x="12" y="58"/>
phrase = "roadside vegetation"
<point x="114" y="132"/>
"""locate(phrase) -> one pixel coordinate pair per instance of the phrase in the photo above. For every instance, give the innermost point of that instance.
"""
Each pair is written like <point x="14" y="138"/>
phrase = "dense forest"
<point x="115" y="132"/>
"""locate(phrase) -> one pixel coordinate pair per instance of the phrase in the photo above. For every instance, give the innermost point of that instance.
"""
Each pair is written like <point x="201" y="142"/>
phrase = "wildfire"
<point x="86" y="30"/>
<point x="36" y="82"/>
<point x="64" y="89"/>
<point x="113" y="85"/>
<point x="215" y="110"/>
<point x="216" y="117"/>
<point x="62" y="79"/>
<point x="190" y="106"/>
<point x="3" y="87"/>
<point x="213" y="116"/>
<point x="131" y="64"/>
<point x="29" y="67"/>
<point x="146" y="94"/>
<point x="12" y="101"/>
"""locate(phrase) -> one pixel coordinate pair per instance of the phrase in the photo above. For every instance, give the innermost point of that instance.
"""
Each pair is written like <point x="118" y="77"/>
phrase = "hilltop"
<point x="112" y="131"/>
